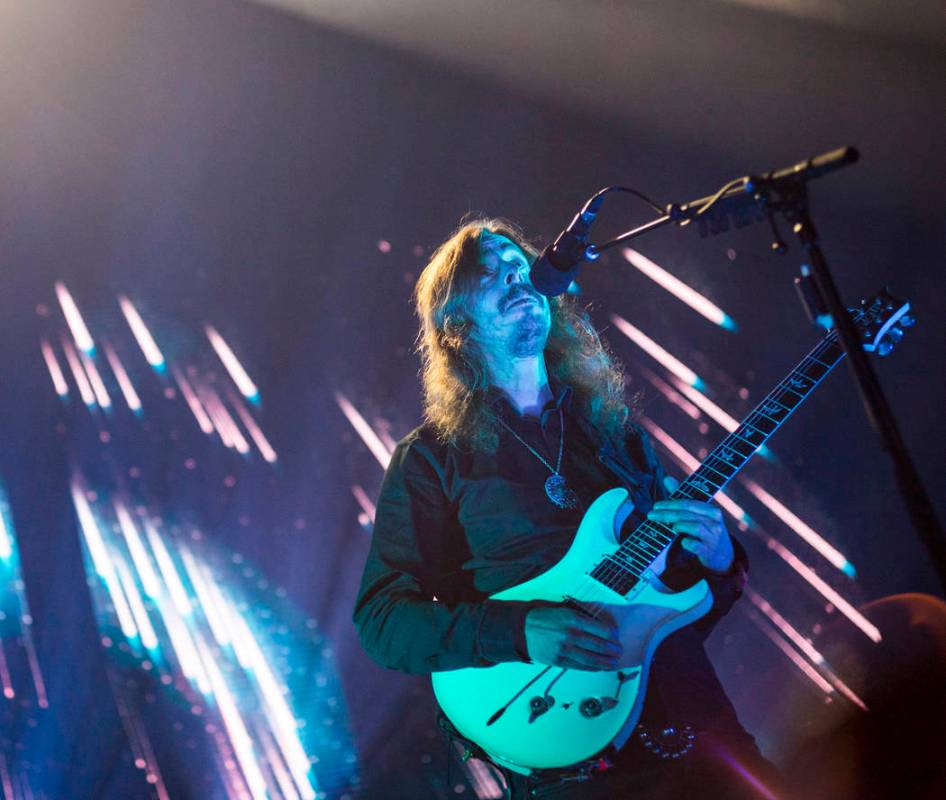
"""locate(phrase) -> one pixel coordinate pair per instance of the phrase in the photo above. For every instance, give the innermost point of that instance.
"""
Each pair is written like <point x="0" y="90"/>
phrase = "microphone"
<point x="557" y="267"/>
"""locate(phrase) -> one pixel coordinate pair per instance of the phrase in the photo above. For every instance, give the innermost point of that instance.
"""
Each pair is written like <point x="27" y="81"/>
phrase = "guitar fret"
<point x="622" y="569"/>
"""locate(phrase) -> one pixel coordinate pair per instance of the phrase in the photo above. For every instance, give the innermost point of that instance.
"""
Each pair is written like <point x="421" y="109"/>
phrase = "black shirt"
<point x="459" y="526"/>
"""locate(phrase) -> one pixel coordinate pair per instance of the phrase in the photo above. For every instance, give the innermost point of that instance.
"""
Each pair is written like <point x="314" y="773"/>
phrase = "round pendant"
<point x="559" y="493"/>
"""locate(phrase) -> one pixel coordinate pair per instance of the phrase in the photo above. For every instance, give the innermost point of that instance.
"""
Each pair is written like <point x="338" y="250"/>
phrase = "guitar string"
<point x="610" y="572"/>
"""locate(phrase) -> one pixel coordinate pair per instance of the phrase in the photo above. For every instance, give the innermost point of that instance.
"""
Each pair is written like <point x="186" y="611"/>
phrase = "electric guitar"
<point x="529" y="716"/>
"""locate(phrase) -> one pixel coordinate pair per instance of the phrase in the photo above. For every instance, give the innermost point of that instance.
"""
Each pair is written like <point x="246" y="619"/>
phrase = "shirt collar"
<point x="561" y="398"/>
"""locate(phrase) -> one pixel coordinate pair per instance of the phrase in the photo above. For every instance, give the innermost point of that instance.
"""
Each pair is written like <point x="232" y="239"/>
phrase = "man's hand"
<point x="703" y="531"/>
<point x="563" y="637"/>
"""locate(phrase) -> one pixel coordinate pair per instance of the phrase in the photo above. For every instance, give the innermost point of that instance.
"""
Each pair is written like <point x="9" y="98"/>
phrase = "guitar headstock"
<point x="881" y="320"/>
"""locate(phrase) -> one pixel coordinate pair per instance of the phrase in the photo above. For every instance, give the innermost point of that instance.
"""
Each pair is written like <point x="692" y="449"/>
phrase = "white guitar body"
<point x="591" y="709"/>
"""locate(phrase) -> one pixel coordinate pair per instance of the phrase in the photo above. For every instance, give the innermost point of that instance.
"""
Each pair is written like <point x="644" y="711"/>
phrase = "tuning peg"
<point x="907" y="321"/>
<point x="895" y="334"/>
<point x="884" y="348"/>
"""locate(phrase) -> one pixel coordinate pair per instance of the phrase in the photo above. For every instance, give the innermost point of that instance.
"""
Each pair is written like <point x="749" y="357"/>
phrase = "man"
<point x="525" y="425"/>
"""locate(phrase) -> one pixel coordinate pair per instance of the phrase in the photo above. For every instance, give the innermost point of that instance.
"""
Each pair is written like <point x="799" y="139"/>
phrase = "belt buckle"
<point x="670" y="742"/>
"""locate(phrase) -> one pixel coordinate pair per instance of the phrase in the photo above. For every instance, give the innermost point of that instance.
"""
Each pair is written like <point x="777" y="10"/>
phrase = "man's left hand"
<point x="702" y="530"/>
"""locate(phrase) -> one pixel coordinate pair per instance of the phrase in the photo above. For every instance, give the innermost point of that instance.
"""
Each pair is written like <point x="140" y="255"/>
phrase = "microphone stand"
<point x="753" y="198"/>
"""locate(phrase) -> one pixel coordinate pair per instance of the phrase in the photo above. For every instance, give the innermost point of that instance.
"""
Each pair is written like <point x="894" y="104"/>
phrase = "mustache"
<point x="519" y="294"/>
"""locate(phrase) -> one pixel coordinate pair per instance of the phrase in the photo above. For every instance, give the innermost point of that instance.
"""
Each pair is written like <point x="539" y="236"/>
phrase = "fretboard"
<point x="622" y="570"/>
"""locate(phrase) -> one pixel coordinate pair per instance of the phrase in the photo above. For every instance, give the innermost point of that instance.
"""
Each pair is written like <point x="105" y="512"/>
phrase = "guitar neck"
<point x="622" y="570"/>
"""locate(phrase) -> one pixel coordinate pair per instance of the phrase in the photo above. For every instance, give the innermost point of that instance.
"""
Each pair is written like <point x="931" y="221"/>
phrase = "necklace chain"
<point x="561" y="443"/>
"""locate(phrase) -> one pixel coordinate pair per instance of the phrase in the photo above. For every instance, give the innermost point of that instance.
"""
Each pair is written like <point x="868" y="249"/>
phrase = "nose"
<point x="517" y="272"/>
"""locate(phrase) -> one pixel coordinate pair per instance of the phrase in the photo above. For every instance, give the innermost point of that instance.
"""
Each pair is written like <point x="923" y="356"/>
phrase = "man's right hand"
<point x="564" y="637"/>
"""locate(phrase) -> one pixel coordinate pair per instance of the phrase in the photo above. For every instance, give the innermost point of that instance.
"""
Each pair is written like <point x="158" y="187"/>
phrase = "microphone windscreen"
<point x="549" y="279"/>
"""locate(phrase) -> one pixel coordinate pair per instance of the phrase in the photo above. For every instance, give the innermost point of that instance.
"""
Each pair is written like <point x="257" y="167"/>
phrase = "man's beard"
<point x="529" y="337"/>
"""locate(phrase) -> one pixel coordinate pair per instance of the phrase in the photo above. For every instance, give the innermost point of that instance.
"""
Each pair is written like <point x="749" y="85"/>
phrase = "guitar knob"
<point x="590" y="707"/>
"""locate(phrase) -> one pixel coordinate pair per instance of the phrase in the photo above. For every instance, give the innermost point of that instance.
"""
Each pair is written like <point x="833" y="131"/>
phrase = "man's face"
<point x="510" y="317"/>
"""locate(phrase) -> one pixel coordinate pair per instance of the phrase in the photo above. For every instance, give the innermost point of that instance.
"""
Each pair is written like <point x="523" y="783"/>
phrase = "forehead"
<point x="495" y="244"/>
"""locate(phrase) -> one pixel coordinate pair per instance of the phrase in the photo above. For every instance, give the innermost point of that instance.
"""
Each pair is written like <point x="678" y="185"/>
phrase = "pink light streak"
<point x="680" y="290"/>
<point x="811" y="536"/>
<point x="36" y="673"/>
<point x="72" y="359"/>
<point x="364" y="430"/>
<point x="671" y="394"/>
<point x="80" y="333"/>
<point x="233" y="366"/>
<point x="5" y="679"/>
<point x="98" y="386"/>
<point x="802" y="643"/>
<point x="141" y="333"/>
<point x="810" y="672"/>
<point x="655" y="351"/>
<point x="193" y="402"/>
<point x="712" y="410"/>
<point x="256" y="433"/>
<point x="230" y="434"/>
<point x="55" y="372"/>
<point x="364" y="501"/>
<point x="124" y="382"/>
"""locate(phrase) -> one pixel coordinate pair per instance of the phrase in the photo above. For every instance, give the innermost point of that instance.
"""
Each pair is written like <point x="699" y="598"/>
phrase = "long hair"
<point x="454" y="371"/>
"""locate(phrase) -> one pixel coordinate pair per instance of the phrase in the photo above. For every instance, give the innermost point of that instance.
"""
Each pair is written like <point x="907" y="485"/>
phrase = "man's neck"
<point x="525" y="381"/>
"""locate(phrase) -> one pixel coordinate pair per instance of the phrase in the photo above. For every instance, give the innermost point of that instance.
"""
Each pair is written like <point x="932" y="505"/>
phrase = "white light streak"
<point x="655" y="351"/>
<point x="283" y="723"/>
<point x="207" y="602"/>
<point x="193" y="402"/>
<point x="102" y="562"/>
<point x="680" y="290"/>
<point x="364" y="430"/>
<point x="72" y="359"/>
<point x="236" y="729"/>
<point x="234" y="367"/>
<point x="148" y="637"/>
<point x="172" y="580"/>
<point x="74" y="319"/>
<point x="98" y="387"/>
<point x="6" y="527"/>
<point x="142" y="334"/>
<point x="139" y="555"/>
<point x="256" y="433"/>
<point x="805" y="531"/>
<point x="184" y="647"/>
<point x="124" y="382"/>
<point x="55" y="372"/>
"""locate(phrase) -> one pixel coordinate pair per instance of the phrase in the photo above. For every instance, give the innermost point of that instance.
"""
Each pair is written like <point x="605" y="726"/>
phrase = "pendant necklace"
<point x="555" y="486"/>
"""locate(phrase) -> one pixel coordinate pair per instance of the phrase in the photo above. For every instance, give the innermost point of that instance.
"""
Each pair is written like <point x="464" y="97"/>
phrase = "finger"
<point x="706" y="509"/>
<point x="671" y="484"/>
<point x="605" y="647"/>
<point x="694" y="546"/>
<point x="696" y="530"/>
<point x="589" y="658"/>
<point x="670" y="516"/>
<point x="604" y="625"/>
